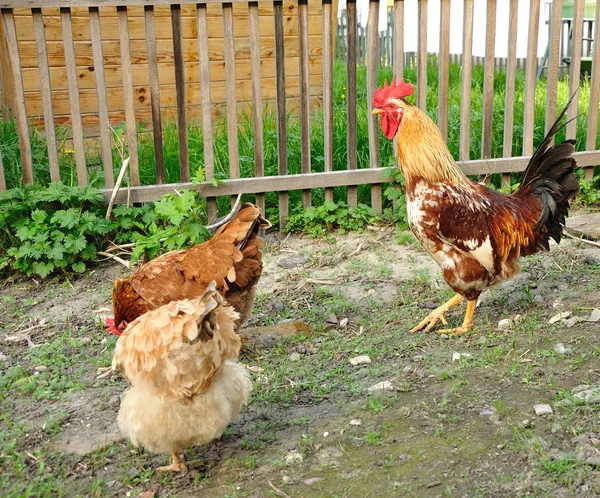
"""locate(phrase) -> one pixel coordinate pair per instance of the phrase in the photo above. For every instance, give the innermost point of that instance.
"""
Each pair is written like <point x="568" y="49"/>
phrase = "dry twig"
<point x="117" y="187"/>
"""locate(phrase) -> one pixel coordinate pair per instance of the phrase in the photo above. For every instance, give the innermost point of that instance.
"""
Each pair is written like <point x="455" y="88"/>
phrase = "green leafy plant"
<point x="589" y="192"/>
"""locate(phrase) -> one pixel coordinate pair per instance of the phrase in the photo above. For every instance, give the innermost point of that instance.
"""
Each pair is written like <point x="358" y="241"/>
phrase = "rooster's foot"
<point x="457" y="332"/>
<point x="178" y="465"/>
<point x="431" y="320"/>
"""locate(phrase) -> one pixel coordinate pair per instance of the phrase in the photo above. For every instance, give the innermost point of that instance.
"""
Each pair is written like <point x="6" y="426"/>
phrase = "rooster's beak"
<point x="377" y="111"/>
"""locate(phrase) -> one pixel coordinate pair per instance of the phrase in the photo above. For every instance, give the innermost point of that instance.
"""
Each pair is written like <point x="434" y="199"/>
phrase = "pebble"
<point x="558" y="303"/>
<point x="332" y="319"/>
<point x="580" y="387"/>
<point x="256" y="368"/>
<point x="457" y="356"/>
<point x="114" y="401"/>
<point x="528" y="423"/>
<point x="560" y="316"/>
<point x="133" y="472"/>
<point x="416" y="358"/>
<point x="294" y="457"/>
<point x="386" y="385"/>
<point x="294" y="357"/>
<point x="86" y="340"/>
<point x="444" y="336"/>
<point x="542" y="409"/>
<point x="570" y="322"/>
<point x="360" y="360"/>
<point x="595" y="316"/>
<point x="41" y="368"/>
<point x="560" y="348"/>
<point x="325" y="434"/>
<point x="344" y="322"/>
<point x="556" y="427"/>
<point x="505" y="324"/>
<point x="4" y="358"/>
<point x="311" y="481"/>
<point x="286" y="479"/>
<point x="538" y="299"/>
<point x="356" y="422"/>
<point x="589" y="396"/>
<point x="486" y="412"/>
<point x="405" y="411"/>
<point x="293" y="261"/>
<point x="482" y="341"/>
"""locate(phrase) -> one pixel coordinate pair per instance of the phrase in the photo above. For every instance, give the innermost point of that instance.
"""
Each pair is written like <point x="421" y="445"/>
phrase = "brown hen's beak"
<point x="377" y="111"/>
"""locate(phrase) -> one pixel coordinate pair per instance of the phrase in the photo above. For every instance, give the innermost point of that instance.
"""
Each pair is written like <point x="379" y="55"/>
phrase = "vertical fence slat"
<point x="105" y="140"/>
<point x="2" y="177"/>
<point x="281" y="112"/>
<point x="398" y="37"/>
<point x="351" y="97"/>
<point x="46" y="93"/>
<point x="422" y="57"/>
<point x="372" y="63"/>
<point x="231" y="93"/>
<point x="592" y="128"/>
<point x="488" y="80"/>
<point x="257" y="105"/>
<point x="530" y="77"/>
<point x="304" y="95"/>
<point x="182" y="131"/>
<point x="157" y="134"/>
<point x="127" y="78"/>
<point x="207" y="130"/>
<point x="328" y="89"/>
<point x="509" y="103"/>
<point x="444" y="68"/>
<point x="575" y="74"/>
<point x="553" y="61"/>
<point x="76" y="122"/>
<point x="465" y="98"/>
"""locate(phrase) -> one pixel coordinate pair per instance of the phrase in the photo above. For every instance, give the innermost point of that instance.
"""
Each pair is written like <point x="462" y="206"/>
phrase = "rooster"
<point x="185" y="385"/>
<point x="232" y="258"/>
<point x="475" y="234"/>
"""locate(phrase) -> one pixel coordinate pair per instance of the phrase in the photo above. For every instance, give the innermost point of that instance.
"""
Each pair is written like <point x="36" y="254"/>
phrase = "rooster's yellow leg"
<point x="177" y="464"/>
<point x="467" y="323"/>
<point x="438" y="314"/>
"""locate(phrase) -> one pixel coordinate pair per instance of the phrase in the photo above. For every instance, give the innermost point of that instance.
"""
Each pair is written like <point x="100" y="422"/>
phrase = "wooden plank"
<point x="488" y="80"/>
<point x="77" y="125"/>
<point x="372" y="63"/>
<point x="351" y="145"/>
<point x="207" y="135"/>
<point x="281" y="112"/>
<point x="5" y="84"/>
<point x="127" y="79"/>
<point x="105" y="139"/>
<point x="465" y="96"/>
<point x="29" y="4"/>
<point x="575" y="74"/>
<point x="553" y="62"/>
<point x="18" y="100"/>
<point x="585" y="225"/>
<point x="444" y="68"/>
<point x="509" y="101"/>
<point x="422" y="57"/>
<point x="304" y="95"/>
<point x="257" y="104"/>
<point x="328" y="90"/>
<point x="398" y="39"/>
<point x="230" y="83"/>
<point x="2" y="177"/>
<point x="326" y="179"/>
<point x="46" y="94"/>
<point x="592" y="128"/>
<point x="530" y="77"/>
<point x="184" y="161"/>
<point x="157" y="134"/>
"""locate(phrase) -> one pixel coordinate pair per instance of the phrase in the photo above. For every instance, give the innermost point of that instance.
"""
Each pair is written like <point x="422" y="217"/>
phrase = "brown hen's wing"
<point x="179" y="348"/>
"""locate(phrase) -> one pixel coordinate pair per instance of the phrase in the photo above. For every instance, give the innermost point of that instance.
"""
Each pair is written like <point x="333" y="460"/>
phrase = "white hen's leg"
<point x="177" y="464"/>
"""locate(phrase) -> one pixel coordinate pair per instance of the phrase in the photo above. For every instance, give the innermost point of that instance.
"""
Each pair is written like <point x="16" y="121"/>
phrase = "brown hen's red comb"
<point x="395" y="91"/>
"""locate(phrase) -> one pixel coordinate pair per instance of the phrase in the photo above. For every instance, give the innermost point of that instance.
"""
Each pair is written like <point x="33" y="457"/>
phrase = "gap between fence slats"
<point x="553" y="61"/>
<point x="465" y="97"/>
<point x="422" y="57"/>
<point x="105" y="139"/>
<point x="530" y="77"/>
<point x="182" y="131"/>
<point x="46" y="93"/>
<point x="154" y="84"/>
<point x="281" y="112"/>
<point x="372" y="63"/>
<point x="257" y="105"/>
<point x="303" y="57"/>
<point x="351" y="98"/>
<point x="127" y="78"/>
<point x="509" y="102"/>
<point x="488" y="80"/>
<point x="575" y="63"/>
<point x="592" y="127"/>
<point x="444" y="68"/>
<point x="76" y="123"/>
<point x="328" y="90"/>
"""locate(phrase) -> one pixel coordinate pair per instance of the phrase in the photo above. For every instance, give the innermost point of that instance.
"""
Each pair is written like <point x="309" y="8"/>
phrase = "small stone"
<point x="457" y="356"/>
<point x="256" y="368"/>
<point x="294" y="357"/>
<point x="407" y="369"/>
<point x="563" y="402"/>
<point x="326" y="434"/>
<point x="505" y="324"/>
<point x="114" y="401"/>
<point x="416" y="358"/>
<point x="538" y="299"/>
<point x="560" y="348"/>
<point x="405" y="411"/>
<point x="444" y="336"/>
<point x="133" y="472"/>
<point x="386" y="385"/>
<point x="311" y="481"/>
<point x="589" y="396"/>
<point x="360" y="360"/>
<point x="559" y="317"/>
<point x="556" y="427"/>
<point x="332" y="319"/>
<point x="557" y="304"/>
<point x="41" y="368"/>
<point x="286" y="479"/>
<point x="4" y="358"/>
<point x="433" y="484"/>
<point x="356" y="422"/>
<point x="571" y="321"/>
<point x="486" y="412"/>
<point x="595" y="316"/>
<point x="528" y="423"/>
<point x="482" y="341"/>
<point x="580" y="387"/>
<point x="542" y="410"/>
<point x="111" y="484"/>
<point x="344" y="322"/>
<point x="294" y="457"/>
<point x="86" y="340"/>
<point x="279" y="306"/>
<point x="371" y="292"/>
<point x="293" y="261"/>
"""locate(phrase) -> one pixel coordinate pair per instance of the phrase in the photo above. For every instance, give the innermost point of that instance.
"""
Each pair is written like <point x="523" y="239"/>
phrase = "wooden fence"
<point x="374" y="175"/>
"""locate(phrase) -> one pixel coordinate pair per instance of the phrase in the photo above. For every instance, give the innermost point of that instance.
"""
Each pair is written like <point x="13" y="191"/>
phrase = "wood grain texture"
<point x="282" y="168"/>
<point x="304" y="95"/>
<point x="467" y="71"/>
<point x="585" y="225"/>
<point x="488" y="80"/>
<point x="422" y="57"/>
<point x="257" y="103"/>
<point x="105" y="132"/>
<point x="29" y="4"/>
<point x="351" y="145"/>
<point x="46" y="94"/>
<point x="398" y="50"/>
<point x="127" y="79"/>
<point x="209" y="151"/>
<point x="444" y="68"/>
<point x="592" y="127"/>
<point x="5" y="83"/>
<point x="509" y="101"/>
<point x="372" y="63"/>
<point x="575" y="67"/>
<point x="2" y="177"/>
<point x="530" y="77"/>
<point x="328" y="90"/>
<point x="77" y="125"/>
<point x="154" y="84"/>
<point x="184" y="158"/>
<point x="553" y="62"/>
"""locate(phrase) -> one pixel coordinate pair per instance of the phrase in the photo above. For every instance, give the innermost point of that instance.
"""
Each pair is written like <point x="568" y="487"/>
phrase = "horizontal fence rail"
<point x="236" y="33"/>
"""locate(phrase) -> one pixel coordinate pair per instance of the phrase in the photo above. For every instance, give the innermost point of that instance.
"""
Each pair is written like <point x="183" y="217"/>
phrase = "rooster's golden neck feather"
<point x="422" y="152"/>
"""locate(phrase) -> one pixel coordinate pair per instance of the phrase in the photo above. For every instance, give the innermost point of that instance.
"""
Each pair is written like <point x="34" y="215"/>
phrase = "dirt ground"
<point x="423" y="415"/>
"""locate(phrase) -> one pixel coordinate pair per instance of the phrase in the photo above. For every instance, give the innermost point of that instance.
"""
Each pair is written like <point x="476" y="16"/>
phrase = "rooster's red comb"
<point x="394" y="90"/>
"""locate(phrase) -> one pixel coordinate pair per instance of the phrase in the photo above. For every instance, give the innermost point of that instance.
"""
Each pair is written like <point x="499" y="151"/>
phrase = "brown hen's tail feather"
<point x="550" y="176"/>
